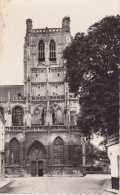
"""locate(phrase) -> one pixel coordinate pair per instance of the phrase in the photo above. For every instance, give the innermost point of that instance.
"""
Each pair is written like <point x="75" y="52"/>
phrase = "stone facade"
<point x="2" y="136"/>
<point x="41" y="133"/>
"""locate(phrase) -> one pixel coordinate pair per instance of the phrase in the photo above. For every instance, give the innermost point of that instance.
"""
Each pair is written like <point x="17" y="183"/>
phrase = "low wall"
<point x="16" y="171"/>
<point x="66" y="171"/>
<point x="97" y="172"/>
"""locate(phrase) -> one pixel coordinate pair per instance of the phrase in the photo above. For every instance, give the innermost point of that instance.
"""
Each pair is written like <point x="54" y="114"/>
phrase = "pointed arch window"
<point x="59" y="117"/>
<point x="43" y="117"/>
<point x="17" y="116"/>
<point x="38" y="117"/>
<point x="52" y="50"/>
<point x="53" y="117"/>
<point x="14" y="148"/>
<point x="2" y="111"/>
<point x="36" y="150"/>
<point x="41" y="51"/>
<point x="58" y="151"/>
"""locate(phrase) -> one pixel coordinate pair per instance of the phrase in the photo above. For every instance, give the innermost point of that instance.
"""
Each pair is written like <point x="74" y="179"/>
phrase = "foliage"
<point x="94" y="154"/>
<point x="92" y="73"/>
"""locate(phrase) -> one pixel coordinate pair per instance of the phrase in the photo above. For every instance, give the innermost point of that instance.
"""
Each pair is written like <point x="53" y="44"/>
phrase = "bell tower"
<point x="66" y="24"/>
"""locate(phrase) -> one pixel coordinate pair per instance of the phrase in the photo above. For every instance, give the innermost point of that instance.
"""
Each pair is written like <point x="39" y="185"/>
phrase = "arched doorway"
<point x="37" y="158"/>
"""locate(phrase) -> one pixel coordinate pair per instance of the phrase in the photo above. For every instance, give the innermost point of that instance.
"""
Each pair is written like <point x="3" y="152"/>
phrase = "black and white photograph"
<point x="59" y="97"/>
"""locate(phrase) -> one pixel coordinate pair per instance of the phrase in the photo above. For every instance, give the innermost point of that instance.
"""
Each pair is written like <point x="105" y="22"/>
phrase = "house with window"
<point x="2" y="134"/>
<point x="41" y="136"/>
<point x="113" y="147"/>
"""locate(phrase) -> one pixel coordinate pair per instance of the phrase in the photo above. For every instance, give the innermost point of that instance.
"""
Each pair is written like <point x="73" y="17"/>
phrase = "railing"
<point x="52" y="127"/>
<point x="47" y="30"/>
<point x="57" y="97"/>
<point x="14" y="128"/>
<point x="4" y="99"/>
<point x="38" y="98"/>
<point x="18" y="98"/>
<point x="35" y="98"/>
<point x="40" y="128"/>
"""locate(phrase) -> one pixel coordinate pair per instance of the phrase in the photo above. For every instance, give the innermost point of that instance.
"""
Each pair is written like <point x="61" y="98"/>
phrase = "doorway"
<point x="36" y="170"/>
<point x="40" y="168"/>
<point x="33" y="168"/>
<point x="37" y="158"/>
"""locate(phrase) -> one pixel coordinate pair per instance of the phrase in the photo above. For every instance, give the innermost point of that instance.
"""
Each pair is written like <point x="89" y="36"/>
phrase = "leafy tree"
<point x="91" y="154"/>
<point x="95" y="156"/>
<point x="92" y="73"/>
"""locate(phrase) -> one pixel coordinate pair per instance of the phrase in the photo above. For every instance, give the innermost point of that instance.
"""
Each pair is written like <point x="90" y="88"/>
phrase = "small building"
<point x="114" y="155"/>
<point x="2" y="125"/>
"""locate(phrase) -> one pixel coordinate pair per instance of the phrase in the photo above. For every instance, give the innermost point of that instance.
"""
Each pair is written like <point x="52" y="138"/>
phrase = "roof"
<point x="13" y="89"/>
<point x="113" y="139"/>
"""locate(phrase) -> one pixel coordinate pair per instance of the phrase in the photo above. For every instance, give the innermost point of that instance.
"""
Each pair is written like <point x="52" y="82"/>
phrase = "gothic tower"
<point x="41" y="133"/>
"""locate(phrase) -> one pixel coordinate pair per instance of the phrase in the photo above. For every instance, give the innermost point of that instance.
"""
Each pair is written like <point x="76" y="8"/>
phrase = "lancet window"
<point x="14" y="151"/>
<point x="17" y="116"/>
<point x="41" y="51"/>
<point x="52" y="50"/>
<point x="58" y="151"/>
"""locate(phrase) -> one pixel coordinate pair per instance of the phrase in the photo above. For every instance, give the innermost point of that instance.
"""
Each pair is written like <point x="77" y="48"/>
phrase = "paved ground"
<point x="90" y="184"/>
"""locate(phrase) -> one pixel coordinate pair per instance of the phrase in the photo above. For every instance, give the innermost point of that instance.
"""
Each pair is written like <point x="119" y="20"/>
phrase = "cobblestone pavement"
<point x="90" y="184"/>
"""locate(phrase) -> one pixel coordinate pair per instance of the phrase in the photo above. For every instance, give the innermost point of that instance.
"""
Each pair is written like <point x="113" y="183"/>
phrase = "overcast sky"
<point x="83" y="13"/>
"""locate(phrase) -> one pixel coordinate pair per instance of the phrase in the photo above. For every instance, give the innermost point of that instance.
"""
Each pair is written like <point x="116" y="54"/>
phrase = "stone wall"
<point x="72" y="149"/>
<point x="14" y="171"/>
<point x="48" y="171"/>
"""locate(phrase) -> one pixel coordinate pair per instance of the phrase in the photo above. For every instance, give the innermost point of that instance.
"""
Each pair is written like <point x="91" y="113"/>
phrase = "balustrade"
<point x="34" y="98"/>
<point x="47" y="30"/>
<point x="39" y="128"/>
<point x="38" y="98"/>
<point x="57" y="97"/>
<point x="14" y="128"/>
<point x="4" y="99"/>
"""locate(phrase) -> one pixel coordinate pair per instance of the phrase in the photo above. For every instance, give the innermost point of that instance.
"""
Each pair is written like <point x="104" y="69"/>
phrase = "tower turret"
<point x="28" y="25"/>
<point x="66" y="24"/>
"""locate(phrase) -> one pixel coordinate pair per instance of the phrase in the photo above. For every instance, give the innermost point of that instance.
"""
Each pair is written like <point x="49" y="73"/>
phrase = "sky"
<point x="83" y="13"/>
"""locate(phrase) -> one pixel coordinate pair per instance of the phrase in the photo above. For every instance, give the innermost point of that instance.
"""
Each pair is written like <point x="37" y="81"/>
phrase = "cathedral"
<point x="41" y="135"/>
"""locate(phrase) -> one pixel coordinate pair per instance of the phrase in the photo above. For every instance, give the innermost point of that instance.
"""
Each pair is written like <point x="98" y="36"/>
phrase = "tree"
<point x="95" y="158"/>
<point x="92" y="74"/>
